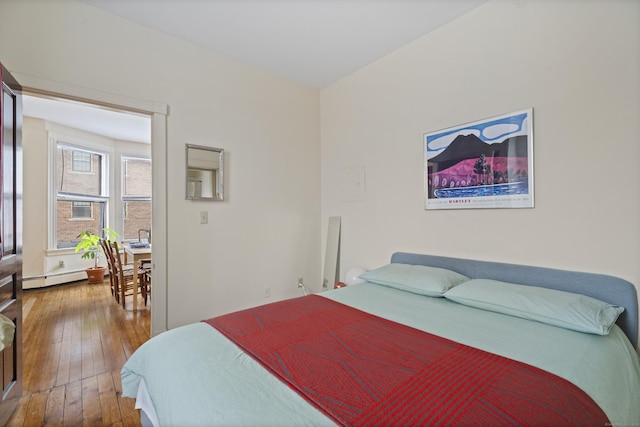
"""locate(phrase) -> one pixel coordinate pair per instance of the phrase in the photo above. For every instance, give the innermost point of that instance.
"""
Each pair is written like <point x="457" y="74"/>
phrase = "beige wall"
<point x="267" y="232"/>
<point x="35" y="187"/>
<point x="576" y="63"/>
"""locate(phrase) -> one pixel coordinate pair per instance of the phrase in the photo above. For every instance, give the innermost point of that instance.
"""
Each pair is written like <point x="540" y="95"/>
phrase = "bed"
<point x="516" y="334"/>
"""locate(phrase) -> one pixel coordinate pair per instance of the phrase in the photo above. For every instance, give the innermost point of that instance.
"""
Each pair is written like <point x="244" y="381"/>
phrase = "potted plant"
<point x="89" y="244"/>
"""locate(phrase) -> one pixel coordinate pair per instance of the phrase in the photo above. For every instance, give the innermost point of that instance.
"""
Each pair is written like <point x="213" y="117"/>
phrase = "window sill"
<point x="60" y="252"/>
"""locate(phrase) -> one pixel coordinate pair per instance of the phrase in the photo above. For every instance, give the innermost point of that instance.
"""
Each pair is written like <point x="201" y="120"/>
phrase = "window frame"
<point x="111" y="192"/>
<point x="82" y="145"/>
<point x="123" y="197"/>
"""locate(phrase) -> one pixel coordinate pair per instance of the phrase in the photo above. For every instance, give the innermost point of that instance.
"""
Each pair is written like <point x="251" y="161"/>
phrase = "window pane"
<point x="136" y="198"/>
<point x="68" y="228"/>
<point x="137" y="177"/>
<point x="81" y="161"/>
<point x="70" y="181"/>
<point x="137" y="216"/>
<point x="81" y="209"/>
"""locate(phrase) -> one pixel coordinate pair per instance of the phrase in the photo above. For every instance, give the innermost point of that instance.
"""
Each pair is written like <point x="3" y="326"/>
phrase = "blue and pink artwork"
<point x="484" y="164"/>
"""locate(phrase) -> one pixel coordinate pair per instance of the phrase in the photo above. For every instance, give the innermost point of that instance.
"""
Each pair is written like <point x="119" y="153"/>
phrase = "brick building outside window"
<point x="83" y="194"/>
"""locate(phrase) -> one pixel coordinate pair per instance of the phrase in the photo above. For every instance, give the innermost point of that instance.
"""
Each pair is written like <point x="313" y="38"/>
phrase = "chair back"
<point x="117" y="259"/>
<point x="106" y="248"/>
<point x="119" y="283"/>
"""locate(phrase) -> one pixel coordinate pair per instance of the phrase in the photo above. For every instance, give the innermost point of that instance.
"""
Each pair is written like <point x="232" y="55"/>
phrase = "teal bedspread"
<point x="196" y="377"/>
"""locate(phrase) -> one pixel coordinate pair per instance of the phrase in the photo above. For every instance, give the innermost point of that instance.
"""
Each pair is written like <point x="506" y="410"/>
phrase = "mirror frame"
<point x="218" y="193"/>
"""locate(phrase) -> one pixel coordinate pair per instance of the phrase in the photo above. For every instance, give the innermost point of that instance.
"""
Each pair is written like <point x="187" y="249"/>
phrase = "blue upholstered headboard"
<point x="605" y="288"/>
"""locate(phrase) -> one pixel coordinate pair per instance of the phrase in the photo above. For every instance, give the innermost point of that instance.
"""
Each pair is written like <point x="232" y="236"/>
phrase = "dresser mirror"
<point x="205" y="172"/>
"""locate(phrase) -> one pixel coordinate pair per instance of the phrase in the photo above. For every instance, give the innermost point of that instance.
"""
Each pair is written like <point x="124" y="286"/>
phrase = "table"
<point x="136" y="255"/>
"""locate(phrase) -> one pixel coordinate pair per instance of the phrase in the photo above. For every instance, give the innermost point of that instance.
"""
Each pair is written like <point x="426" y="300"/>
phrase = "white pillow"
<point x="564" y="309"/>
<point x="419" y="279"/>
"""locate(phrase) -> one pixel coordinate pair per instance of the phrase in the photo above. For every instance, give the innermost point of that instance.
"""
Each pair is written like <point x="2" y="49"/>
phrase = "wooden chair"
<point x="123" y="283"/>
<point x="106" y="248"/>
<point x="112" y="268"/>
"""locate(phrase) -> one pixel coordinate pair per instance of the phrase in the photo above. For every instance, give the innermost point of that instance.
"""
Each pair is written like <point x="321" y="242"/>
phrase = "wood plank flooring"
<point x="76" y="339"/>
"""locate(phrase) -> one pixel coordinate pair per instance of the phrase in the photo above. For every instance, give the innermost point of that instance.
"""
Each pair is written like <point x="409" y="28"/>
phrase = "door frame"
<point x="158" y="113"/>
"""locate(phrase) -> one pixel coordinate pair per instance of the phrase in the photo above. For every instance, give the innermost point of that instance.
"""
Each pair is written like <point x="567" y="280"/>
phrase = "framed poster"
<point x="483" y="164"/>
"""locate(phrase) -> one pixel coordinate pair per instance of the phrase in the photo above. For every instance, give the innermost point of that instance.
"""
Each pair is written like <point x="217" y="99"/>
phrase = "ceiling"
<point x="98" y="120"/>
<point x="313" y="42"/>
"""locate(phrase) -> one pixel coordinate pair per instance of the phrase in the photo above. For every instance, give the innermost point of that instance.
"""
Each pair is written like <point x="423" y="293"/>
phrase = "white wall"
<point x="266" y="232"/>
<point x="35" y="187"/>
<point x="576" y="63"/>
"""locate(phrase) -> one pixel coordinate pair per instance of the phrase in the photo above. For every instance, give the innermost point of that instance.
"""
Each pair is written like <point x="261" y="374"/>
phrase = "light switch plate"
<point x="204" y="217"/>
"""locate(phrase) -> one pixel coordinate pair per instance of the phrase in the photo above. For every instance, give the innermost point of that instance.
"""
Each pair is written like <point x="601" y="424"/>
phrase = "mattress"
<point x="194" y="376"/>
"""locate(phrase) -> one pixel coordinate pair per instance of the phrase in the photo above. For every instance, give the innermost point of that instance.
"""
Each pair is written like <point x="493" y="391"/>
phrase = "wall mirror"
<point x="205" y="172"/>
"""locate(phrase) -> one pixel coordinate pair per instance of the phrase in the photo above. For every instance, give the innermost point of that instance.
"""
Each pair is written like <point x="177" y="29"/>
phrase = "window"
<point x="81" y="199"/>
<point x="96" y="185"/>
<point x="81" y="210"/>
<point x="136" y="198"/>
<point x="81" y="161"/>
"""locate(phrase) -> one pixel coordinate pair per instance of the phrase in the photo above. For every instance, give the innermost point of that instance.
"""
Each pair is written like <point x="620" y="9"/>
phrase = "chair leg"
<point x="143" y="291"/>
<point x="122" y="297"/>
<point x="145" y="287"/>
<point x="148" y="290"/>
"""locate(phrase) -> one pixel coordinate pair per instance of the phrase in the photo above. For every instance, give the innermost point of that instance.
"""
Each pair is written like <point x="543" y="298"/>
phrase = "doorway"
<point x="86" y="168"/>
<point x="156" y="112"/>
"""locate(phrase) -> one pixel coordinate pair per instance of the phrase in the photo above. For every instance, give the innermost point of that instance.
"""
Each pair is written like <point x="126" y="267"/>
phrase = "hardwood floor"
<point x="76" y="339"/>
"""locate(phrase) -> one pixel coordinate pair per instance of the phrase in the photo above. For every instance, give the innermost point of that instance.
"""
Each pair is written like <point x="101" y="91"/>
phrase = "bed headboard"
<point x="605" y="288"/>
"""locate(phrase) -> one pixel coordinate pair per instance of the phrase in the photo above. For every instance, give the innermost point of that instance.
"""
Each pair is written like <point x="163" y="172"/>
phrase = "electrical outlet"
<point x="61" y="264"/>
<point x="267" y="291"/>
